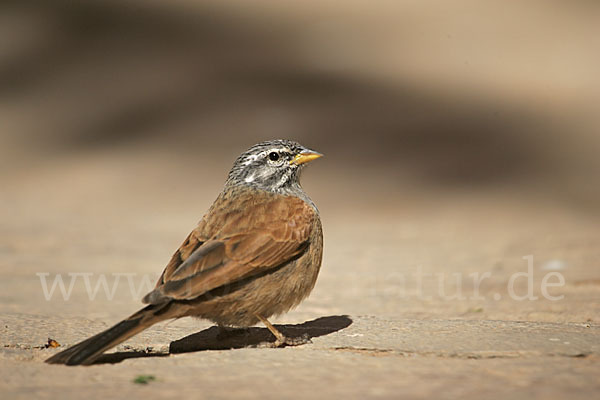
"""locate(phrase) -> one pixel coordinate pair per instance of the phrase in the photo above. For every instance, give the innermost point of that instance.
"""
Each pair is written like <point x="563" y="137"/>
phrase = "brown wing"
<point x="241" y="236"/>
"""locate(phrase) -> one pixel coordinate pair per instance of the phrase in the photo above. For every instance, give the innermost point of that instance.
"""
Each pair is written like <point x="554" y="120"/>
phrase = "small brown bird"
<point x="256" y="253"/>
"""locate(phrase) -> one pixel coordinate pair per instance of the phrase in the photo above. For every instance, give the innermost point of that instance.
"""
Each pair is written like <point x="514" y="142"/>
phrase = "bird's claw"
<point x="291" y="341"/>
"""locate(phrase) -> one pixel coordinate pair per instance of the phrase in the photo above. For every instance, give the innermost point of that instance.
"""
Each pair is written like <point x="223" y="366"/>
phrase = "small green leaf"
<point x="144" y="379"/>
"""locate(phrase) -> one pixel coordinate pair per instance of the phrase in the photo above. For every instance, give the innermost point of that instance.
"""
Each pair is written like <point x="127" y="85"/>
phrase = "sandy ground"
<point x="377" y="329"/>
<point x="459" y="193"/>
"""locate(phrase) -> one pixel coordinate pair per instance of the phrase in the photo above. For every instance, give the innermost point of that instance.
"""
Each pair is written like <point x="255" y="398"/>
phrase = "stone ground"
<point x="459" y="193"/>
<point x="377" y="329"/>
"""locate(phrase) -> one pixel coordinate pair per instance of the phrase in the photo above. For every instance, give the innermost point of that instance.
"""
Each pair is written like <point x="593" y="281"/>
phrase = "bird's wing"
<point x="235" y="243"/>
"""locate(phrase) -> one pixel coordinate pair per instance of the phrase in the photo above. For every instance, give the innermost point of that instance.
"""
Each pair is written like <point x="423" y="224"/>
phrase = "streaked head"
<point x="274" y="165"/>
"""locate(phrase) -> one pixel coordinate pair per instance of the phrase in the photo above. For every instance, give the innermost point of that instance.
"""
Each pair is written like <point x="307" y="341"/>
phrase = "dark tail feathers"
<point x="85" y="352"/>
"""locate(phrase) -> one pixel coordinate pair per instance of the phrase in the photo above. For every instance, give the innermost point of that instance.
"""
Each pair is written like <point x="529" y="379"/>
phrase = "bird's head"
<point x="274" y="165"/>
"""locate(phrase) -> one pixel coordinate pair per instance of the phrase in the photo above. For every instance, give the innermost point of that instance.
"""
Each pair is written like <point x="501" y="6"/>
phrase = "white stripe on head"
<point x="250" y="159"/>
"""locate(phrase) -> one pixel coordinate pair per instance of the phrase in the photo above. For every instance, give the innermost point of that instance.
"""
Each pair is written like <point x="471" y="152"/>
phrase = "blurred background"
<point x="458" y="135"/>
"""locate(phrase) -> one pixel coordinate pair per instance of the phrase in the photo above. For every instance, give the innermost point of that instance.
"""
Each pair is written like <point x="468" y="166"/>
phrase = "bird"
<point x="256" y="253"/>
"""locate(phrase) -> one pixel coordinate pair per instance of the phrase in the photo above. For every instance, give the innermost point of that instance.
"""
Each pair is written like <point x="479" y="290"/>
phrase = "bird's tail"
<point x="85" y="352"/>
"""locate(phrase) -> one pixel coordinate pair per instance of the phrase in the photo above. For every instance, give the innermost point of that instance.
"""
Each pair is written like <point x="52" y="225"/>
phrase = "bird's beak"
<point x="305" y="156"/>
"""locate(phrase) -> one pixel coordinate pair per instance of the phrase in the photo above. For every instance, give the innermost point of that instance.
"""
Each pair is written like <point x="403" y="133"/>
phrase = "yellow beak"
<point x="305" y="156"/>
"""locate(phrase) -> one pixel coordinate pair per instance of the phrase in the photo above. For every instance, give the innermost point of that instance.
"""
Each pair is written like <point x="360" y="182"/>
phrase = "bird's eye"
<point x="273" y="156"/>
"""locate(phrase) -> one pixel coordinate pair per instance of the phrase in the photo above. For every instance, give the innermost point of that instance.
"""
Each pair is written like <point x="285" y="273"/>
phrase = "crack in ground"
<point x="467" y="356"/>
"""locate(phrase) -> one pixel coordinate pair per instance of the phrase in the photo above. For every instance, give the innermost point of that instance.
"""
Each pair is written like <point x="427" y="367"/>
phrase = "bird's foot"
<point x="285" y="341"/>
<point x="280" y="339"/>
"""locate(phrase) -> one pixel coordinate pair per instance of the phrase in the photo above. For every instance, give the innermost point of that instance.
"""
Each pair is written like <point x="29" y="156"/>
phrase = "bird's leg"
<point x="278" y="335"/>
<point x="281" y="339"/>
